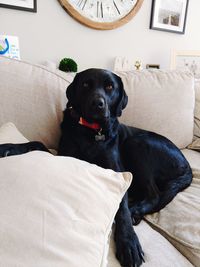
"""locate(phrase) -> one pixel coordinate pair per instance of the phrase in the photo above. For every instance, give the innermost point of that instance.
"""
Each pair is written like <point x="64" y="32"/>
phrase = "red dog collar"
<point x="94" y="126"/>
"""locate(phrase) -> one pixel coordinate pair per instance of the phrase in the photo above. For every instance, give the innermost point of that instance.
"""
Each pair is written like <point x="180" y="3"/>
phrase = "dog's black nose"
<point x="98" y="103"/>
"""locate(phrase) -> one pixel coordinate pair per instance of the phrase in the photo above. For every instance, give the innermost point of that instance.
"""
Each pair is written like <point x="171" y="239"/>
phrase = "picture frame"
<point x="169" y="15"/>
<point x="152" y="66"/>
<point x="188" y="60"/>
<point x="25" y="5"/>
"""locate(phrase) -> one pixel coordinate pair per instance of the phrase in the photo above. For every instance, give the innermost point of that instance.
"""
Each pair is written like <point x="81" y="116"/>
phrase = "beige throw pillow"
<point x="56" y="211"/>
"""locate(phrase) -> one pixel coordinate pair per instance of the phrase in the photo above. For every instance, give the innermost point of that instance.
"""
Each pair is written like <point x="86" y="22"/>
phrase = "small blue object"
<point x="2" y="52"/>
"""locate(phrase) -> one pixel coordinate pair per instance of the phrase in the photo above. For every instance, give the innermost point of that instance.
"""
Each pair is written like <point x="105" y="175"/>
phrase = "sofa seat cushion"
<point x="33" y="98"/>
<point x="179" y="221"/>
<point x="158" y="251"/>
<point x="162" y="102"/>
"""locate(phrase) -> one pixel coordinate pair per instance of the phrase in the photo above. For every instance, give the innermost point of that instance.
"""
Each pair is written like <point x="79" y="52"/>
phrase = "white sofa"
<point x="33" y="98"/>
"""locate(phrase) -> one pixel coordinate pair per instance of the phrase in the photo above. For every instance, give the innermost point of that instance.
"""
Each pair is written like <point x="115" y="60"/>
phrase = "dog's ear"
<point x="123" y="98"/>
<point x="70" y="93"/>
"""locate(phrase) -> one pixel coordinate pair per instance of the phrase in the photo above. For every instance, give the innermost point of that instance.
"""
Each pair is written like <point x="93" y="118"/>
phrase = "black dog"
<point x="91" y="132"/>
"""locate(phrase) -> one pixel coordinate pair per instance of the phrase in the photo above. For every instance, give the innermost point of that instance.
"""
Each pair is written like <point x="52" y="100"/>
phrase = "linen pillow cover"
<point x="55" y="211"/>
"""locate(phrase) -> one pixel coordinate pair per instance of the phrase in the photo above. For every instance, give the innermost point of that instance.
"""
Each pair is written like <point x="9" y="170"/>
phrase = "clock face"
<point x="102" y="14"/>
<point x="103" y="10"/>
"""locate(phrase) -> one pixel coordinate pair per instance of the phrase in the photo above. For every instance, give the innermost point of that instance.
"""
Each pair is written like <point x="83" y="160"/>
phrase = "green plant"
<point x="68" y="65"/>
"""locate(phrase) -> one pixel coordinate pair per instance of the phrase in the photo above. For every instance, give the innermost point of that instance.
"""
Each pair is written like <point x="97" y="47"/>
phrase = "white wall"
<point x="51" y="34"/>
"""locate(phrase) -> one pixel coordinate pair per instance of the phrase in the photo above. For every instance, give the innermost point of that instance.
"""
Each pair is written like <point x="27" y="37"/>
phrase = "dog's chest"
<point x="82" y="143"/>
<point x="102" y="153"/>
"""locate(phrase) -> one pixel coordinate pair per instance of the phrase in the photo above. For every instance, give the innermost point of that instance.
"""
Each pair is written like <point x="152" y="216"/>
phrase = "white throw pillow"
<point x="56" y="211"/>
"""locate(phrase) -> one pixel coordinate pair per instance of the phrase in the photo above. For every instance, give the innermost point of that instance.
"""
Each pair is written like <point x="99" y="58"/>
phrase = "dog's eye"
<point x="85" y="84"/>
<point x="109" y="87"/>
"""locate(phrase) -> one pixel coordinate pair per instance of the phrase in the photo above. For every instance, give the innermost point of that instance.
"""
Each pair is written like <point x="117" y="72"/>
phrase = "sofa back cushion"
<point x="162" y="102"/>
<point x="33" y="98"/>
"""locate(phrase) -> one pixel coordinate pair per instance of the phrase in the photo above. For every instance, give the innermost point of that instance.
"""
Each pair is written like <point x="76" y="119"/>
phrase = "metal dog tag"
<point x="100" y="137"/>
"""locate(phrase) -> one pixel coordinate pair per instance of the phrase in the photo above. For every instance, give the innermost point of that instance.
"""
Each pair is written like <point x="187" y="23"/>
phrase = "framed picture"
<point x="152" y="66"/>
<point x="26" y="5"/>
<point x="186" y="60"/>
<point x="169" y="15"/>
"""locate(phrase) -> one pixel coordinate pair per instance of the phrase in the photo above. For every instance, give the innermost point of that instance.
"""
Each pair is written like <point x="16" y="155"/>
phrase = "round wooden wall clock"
<point x="102" y="14"/>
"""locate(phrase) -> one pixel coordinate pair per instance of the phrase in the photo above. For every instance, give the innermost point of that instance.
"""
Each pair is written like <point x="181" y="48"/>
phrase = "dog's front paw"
<point x="129" y="251"/>
<point x="7" y="150"/>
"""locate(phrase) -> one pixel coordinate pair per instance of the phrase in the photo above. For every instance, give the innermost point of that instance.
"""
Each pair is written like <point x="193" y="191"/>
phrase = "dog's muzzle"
<point x="98" y="103"/>
<point x="98" y="107"/>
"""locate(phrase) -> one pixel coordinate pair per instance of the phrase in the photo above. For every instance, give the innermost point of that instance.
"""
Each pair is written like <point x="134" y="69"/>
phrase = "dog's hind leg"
<point x="148" y="206"/>
<point x="172" y="189"/>
<point x="139" y="208"/>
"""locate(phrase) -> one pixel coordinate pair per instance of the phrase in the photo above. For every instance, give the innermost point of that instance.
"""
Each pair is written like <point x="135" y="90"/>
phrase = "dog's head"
<point x="97" y="95"/>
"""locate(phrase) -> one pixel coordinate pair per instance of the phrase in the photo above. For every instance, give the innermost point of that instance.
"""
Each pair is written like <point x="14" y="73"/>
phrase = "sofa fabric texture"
<point x="162" y="102"/>
<point x="33" y="98"/>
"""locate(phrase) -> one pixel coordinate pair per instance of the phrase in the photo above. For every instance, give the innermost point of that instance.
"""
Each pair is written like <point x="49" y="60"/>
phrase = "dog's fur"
<point x="160" y="170"/>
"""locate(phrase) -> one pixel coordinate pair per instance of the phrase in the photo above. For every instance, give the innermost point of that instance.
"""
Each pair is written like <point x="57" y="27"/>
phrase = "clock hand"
<point x="84" y="4"/>
<point x="116" y="7"/>
<point x="101" y="10"/>
<point x="80" y="2"/>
